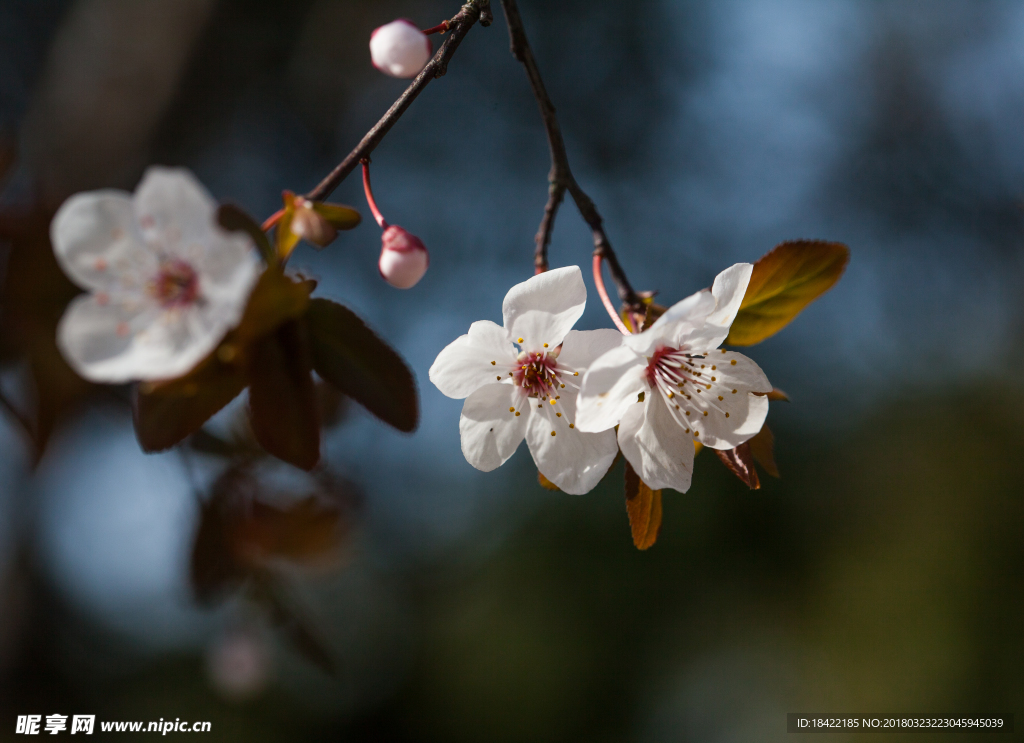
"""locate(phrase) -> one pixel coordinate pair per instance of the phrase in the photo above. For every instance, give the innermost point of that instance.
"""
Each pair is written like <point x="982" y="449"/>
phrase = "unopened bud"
<point x="310" y="226"/>
<point x="399" y="49"/>
<point x="403" y="258"/>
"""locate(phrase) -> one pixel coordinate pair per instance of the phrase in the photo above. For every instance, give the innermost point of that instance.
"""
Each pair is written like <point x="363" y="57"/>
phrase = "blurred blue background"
<point x="882" y="573"/>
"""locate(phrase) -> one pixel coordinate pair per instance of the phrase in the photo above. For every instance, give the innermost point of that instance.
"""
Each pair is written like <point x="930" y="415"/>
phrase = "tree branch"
<point x="471" y="12"/>
<point x="561" y="178"/>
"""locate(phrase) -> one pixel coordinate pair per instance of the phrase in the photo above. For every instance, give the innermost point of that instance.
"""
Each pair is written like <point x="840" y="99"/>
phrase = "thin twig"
<point x="561" y="178"/>
<point x="463" y="21"/>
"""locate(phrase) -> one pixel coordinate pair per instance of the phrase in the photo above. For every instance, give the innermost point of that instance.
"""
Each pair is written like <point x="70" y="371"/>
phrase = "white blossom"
<point x="399" y="49"/>
<point x="672" y="385"/>
<point x="163" y="281"/>
<point x="521" y="381"/>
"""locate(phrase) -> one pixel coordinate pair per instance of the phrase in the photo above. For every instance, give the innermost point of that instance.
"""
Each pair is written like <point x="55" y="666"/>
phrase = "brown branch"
<point x="471" y="12"/>
<point x="561" y="178"/>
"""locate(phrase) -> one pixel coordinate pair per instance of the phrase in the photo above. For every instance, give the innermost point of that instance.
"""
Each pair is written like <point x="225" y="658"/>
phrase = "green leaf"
<point x="233" y="219"/>
<point x="350" y="356"/>
<point x="283" y="404"/>
<point x="644" y="508"/>
<point x="341" y="217"/>
<point x="166" y="412"/>
<point x="783" y="283"/>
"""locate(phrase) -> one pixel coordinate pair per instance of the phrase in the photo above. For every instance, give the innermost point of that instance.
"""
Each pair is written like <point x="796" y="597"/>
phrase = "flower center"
<point x="536" y="374"/>
<point x="176" y="285"/>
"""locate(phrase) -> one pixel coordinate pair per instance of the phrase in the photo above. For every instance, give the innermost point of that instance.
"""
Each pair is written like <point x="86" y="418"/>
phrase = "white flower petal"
<point x="610" y="387"/>
<point x="680" y="319"/>
<point x="581" y="348"/>
<point x="544" y="308"/>
<point x="465" y="364"/>
<point x="123" y="341"/>
<point x="176" y="213"/>
<point x="573" y="460"/>
<point x="97" y="242"/>
<point x="490" y="432"/>
<point x="728" y="291"/>
<point x="98" y="337"/>
<point x="656" y="446"/>
<point x="732" y="416"/>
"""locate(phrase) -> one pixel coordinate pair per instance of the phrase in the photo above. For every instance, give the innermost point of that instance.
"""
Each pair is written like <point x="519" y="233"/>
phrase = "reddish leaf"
<point x="213" y="567"/>
<point x="166" y="412"/>
<point x="350" y="356"/>
<point x="275" y="299"/>
<point x="762" y="446"/>
<point x="282" y="397"/>
<point x="741" y="462"/>
<point x="784" y="281"/>
<point x="777" y="395"/>
<point x="644" y="508"/>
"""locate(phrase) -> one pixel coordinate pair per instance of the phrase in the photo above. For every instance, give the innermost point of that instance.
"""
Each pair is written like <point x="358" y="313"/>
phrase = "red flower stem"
<point x="369" y="195"/>
<point x="272" y="220"/>
<point x="440" y="28"/>
<point x="599" y="282"/>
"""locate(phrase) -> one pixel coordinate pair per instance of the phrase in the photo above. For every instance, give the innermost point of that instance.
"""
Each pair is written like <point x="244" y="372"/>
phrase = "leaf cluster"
<point x="284" y="336"/>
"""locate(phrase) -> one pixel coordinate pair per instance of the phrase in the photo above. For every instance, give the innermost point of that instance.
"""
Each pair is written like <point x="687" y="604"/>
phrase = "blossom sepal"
<point x="740" y="460"/>
<point x="316" y="222"/>
<point x="643" y="505"/>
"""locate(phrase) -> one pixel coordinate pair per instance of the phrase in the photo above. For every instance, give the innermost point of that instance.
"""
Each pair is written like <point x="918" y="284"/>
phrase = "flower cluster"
<point x="565" y="391"/>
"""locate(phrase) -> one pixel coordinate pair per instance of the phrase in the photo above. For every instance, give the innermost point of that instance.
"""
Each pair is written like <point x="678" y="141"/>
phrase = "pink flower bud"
<point x="399" y="49"/>
<point x="403" y="258"/>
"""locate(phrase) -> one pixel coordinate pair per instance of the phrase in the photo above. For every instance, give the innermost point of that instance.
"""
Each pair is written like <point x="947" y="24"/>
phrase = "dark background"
<point x="883" y="573"/>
